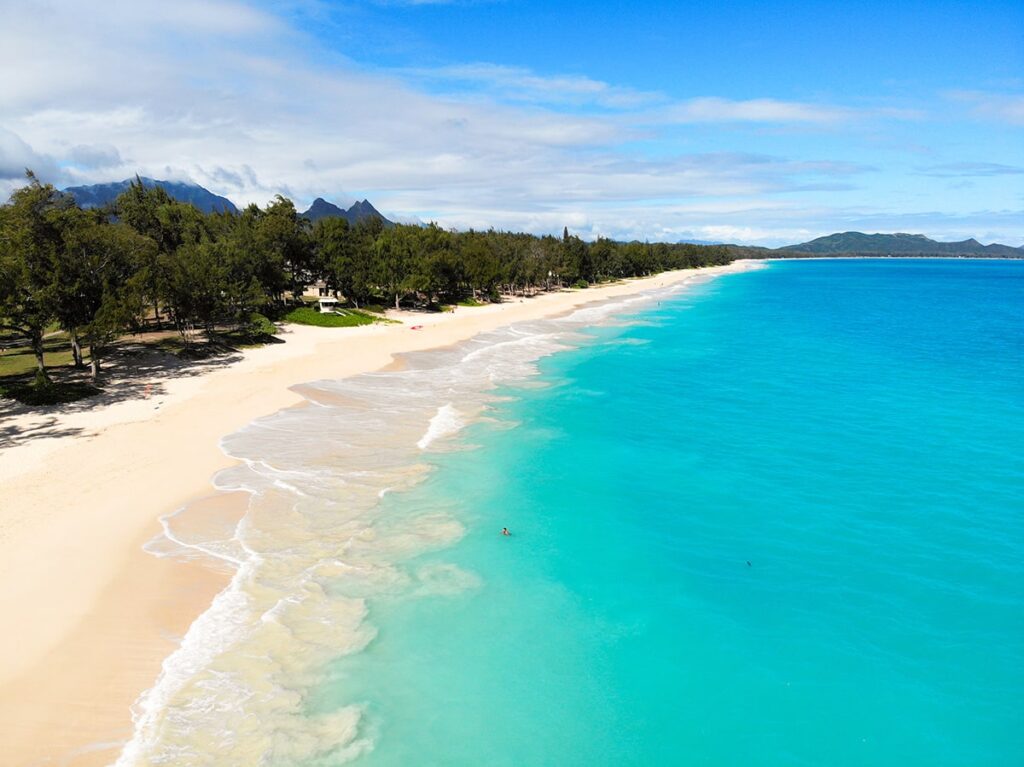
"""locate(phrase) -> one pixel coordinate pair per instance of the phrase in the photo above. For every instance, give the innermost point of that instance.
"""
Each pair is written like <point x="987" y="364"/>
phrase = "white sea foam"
<point x="446" y="422"/>
<point x="171" y="542"/>
<point x="313" y="548"/>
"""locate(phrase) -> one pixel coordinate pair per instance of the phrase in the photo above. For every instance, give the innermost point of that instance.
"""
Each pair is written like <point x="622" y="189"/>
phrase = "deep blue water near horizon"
<point x="778" y="521"/>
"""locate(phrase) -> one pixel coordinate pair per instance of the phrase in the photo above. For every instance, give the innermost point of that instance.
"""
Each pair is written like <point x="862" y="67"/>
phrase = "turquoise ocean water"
<point x="775" y="520"/>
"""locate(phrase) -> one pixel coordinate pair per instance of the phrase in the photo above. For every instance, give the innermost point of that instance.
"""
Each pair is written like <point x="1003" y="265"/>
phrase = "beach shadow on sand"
<point x="133" y="371"/>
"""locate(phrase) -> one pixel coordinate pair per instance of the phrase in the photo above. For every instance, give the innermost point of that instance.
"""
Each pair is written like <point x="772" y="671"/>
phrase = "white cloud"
<point x="519" y="84"/>
<point x="709" y="110"/>
<point x="970" y="169"/>
<point x="432" y="2"/>
<point x="1006" y="108"/>
<point x="95" y="156"/>
<point x="16" y="156"/>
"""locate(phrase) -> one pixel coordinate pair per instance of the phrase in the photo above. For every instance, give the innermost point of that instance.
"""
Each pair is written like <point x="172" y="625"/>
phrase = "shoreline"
<point x="100" y="615"/>
<point x="775" y="259"/>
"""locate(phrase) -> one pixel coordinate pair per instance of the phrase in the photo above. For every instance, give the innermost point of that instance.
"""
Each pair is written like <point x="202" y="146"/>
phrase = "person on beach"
<point x="504" y="531"/>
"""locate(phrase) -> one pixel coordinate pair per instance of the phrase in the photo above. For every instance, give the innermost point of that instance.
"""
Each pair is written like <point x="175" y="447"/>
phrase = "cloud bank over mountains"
<point x="243" y="100"/>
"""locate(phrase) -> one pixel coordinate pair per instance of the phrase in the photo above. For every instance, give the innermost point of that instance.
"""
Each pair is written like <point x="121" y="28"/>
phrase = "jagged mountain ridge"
<point x="356" y="212"/>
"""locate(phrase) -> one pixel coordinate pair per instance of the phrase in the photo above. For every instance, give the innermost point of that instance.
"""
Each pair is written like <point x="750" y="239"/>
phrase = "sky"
<point x="764" y="123"/>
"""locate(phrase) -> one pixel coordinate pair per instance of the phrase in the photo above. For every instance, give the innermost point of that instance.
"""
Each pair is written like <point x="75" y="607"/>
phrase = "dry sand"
<point x="89" y="616"/>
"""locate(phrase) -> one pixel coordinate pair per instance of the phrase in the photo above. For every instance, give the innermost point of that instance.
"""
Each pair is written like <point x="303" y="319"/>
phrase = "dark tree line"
<point x="150" y="259"/>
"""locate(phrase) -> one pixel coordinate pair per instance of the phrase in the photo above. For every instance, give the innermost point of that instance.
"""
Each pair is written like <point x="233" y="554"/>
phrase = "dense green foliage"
<point x="149" y="259"/>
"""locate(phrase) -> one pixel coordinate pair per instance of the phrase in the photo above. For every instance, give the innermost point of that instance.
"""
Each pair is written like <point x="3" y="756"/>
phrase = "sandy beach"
<point x="90" y="615"/>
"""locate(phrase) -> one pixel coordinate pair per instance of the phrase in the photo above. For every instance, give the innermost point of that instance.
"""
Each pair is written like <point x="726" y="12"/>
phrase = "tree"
<point x="195" y="287"/>
<point x="240" y="268"/>
<point x="343" y="256"/>
<point x="30" y="243"/>
<point x="361" y="268"/>
<point x="139" y="208"/>
<point x="244" y="232"/>
<point x="604" y="255"/>
<point x="70" y="283"/>
<point x="576" y="257"/>
<point x="480" y="262"/>
<point x="282" y="236"/>
<point x="435" y="269"/>
<point x="394" y="253"/>
<point x="98" y="285"/>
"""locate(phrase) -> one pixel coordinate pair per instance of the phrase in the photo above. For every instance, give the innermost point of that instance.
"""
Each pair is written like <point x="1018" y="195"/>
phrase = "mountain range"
<point x="98" y="195"/>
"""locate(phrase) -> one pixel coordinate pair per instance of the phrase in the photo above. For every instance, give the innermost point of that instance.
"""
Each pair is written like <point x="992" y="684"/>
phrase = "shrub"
<point x="260" y="325"/>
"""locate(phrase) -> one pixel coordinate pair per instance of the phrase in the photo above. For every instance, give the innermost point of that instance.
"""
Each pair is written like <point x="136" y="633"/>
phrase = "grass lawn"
<point x="345" y="318"/>
<point x="17" y="371"/>
<point x="20" y="360"/>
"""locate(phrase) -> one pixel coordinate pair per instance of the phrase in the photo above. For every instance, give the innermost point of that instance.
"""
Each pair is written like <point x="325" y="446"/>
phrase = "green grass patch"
<point x="344" y="318"/>
<point x="20" y="360"/>
<point x="470" y="302"/>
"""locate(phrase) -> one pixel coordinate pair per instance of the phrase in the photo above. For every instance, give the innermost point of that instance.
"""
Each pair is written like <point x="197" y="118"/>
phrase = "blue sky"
<point x="766" y="123"/>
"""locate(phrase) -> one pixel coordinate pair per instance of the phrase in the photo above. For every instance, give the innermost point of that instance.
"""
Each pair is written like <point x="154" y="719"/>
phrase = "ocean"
<point x="775" y="518"/>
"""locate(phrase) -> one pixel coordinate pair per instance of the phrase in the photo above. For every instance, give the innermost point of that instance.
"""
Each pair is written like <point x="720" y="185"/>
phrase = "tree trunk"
<point x="94" y="364"/>
<point x="37" y="350"/>
<point x="156" y="314"/>
<point x="76" y="349"/>
<point x="397" y="297"/>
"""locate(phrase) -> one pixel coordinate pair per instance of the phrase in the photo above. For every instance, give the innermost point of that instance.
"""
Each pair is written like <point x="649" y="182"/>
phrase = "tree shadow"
<point x="12" y="434"/>
<point x="133" y="370"/>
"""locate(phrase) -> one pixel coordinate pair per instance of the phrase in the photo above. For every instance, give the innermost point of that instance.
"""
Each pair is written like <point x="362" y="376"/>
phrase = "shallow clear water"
<point x="854" y="430"/>
<point x="776" y="519"/>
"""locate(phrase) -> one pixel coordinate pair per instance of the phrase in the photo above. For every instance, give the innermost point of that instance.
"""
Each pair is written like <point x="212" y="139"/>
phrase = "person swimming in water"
<point x="504" y="531"/>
